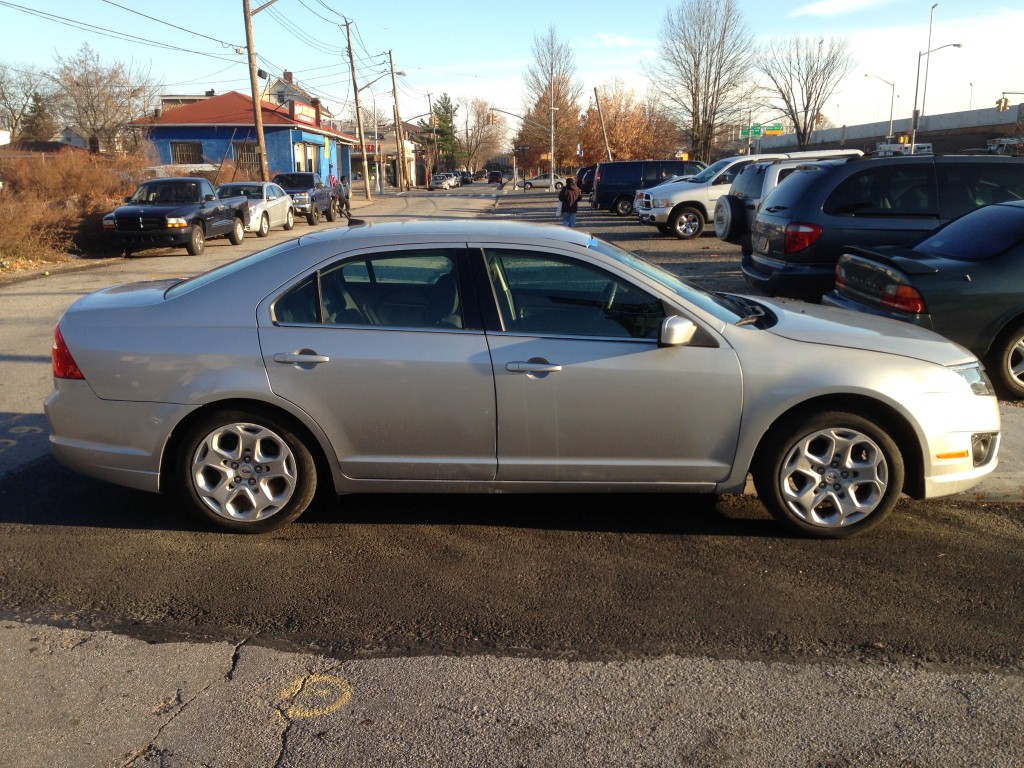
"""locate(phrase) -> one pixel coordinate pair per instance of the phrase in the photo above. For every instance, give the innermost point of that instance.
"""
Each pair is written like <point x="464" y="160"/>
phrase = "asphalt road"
<point x="461" y="630"/>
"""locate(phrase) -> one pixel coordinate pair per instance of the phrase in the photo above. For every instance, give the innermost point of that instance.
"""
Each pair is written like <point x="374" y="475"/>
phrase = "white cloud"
<point x="831" y="8"/>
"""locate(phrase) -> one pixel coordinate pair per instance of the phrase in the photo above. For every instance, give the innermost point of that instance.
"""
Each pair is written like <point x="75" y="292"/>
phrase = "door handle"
<point x="532" y="366"/>
<point x="303" y="357"/>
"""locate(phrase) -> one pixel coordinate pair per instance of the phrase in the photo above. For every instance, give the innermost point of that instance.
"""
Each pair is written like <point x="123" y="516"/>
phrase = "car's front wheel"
<point x="1006" y="361"/>
<point x="828" y="475"/>
<point x="245" y="472"/>
<point x="332" y="210"/>
<point x="527" y="185"/>
<point x="289" y="220"/>
<point x="196" y="240"/>
<point x="686" y="223"/>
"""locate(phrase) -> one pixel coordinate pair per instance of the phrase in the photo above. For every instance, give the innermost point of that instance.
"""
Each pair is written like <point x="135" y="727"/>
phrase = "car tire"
<point x="728" y="218"/>
<point x="289" y="220"/>
<point x="196" y="241"/>
<point x="264" y="228"/>
<point x="665" y="229"/>
<point x="622" y="206"/>
<point x="1006" y="362"/>
<point x="828" y="475"/>
<point x="237" y="234"/>
<point x="686" y="223"/>
<point x="245" y="472"/>
<point x="332" y="211"/>
<point x="527" y="185"/>
<point x="558" y="185"/>
<point x="313" y="217"/>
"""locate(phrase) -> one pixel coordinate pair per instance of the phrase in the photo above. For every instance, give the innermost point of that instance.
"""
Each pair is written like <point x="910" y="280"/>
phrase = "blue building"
<point x="219" y="128"/>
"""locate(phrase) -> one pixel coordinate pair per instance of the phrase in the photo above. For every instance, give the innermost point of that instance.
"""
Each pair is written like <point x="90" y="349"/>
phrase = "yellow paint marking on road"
<point x="315" y="696"/>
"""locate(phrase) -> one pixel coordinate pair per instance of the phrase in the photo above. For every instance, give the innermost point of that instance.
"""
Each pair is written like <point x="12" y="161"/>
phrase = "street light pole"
<point x="928" y="60"/>
<point x="892" y="98"/>
<point x="914" y="117"/>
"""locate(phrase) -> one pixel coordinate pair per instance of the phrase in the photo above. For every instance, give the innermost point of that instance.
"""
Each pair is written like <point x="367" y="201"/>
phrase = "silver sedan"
<point x="453" y="356"/>
<point x="269" y="205"/>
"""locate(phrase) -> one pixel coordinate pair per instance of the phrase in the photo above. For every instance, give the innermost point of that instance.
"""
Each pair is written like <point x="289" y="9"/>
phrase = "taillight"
<point x="64" y="365"/>
<point x="904" y="298"/>
<point x="800" y="236"/>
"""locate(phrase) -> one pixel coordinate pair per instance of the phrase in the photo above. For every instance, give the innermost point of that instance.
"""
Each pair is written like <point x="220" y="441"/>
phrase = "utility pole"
<point x="359" y="114"/>
<point x="257" y="108"/>
<point x="604" y="133"/>
<point x="399" y="133"/>
<point x="433" y="141"/>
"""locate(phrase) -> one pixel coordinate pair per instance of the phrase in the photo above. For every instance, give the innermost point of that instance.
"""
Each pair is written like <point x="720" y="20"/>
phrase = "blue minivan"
<point x="616" y="182"/>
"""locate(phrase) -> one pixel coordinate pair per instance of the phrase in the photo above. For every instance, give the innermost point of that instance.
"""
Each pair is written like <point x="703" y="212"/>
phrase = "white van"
<point x="683" y="208"/>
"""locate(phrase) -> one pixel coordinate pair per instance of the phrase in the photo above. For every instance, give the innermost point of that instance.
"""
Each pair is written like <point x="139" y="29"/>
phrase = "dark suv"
<point x="801" y="227"/>
<point x="311" y="196"/>
<point x="616" y="182"/>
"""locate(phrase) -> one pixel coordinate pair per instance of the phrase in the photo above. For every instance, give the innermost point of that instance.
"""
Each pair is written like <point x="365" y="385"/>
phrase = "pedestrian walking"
<point x="569" y="197"/>
<point x="344" y="192"/>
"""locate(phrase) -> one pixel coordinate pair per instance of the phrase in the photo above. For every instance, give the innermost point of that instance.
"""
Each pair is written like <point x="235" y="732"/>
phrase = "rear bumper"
<point x="781" y="278"/>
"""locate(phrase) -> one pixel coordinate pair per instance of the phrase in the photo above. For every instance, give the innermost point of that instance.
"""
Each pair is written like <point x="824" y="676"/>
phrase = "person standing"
<point x="569" y="196"/>
<point x="344" y="191"/>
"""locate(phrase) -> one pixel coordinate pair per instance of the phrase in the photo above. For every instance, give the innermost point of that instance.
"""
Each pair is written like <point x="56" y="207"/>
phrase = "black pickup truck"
<point x="173" y="212"/>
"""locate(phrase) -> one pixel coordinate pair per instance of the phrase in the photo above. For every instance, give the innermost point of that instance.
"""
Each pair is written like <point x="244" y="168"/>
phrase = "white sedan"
<point x="269" y="205"/>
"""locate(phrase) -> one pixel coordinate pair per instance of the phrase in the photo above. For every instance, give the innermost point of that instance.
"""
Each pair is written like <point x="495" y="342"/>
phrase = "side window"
<point x="405" y="289"/>
<point x="547" y="294"/>
<point x="651" y="173"/>
<point x="894" y="189"/>
<point x="301" y="304"/>
<point x="730" y="173"/>
<point x="966" y="186"/>
<point x="619" y="173"/>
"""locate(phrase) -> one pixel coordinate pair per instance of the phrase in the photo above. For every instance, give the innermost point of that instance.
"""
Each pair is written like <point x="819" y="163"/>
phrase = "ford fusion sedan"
<point x="497" y="357"/>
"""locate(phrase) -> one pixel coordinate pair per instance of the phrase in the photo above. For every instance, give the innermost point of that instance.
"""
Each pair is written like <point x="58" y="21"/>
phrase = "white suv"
<point x="683" y="208"/>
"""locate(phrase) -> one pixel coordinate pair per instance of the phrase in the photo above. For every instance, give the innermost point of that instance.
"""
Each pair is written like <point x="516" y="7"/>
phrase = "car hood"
<point x="832" y="326"/>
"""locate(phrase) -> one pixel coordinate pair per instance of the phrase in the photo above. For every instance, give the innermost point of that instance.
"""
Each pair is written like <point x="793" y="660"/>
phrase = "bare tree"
<point x="479" y="138"/>
<point x="98" y="101"/>
<point x="701" y="74"/>
<point x="803" y="74"/>
<point x="551" y="82"/>
<point x="22" y="90"/>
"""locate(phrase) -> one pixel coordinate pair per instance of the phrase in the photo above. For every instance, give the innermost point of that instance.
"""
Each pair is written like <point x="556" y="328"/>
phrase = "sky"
<point x="481" y="49"/>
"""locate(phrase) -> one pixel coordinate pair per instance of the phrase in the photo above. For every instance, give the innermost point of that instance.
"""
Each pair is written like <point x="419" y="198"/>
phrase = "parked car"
<point x="585" y="179"/>
<point x="269" y="205"/>
<point x="495" y="177"/>
<point x="466" y="177"/>
<point x="180" y="211"/>
<point x="311" y="197"/>
<point x="802" y="227"/>
<point x="734" y="211"/>
<point x="684" y="208"/>
<point x="964" y="281"/>
<point x="440" y="181"/>
<point x="543" y="181"/>
<point x="480" y="175"/>
<point x="616" y="183"/>
<point x="439" y="349"/>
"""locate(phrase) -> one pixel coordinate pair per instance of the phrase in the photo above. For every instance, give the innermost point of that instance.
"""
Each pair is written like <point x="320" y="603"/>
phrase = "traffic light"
<point x="1003" y="104"/>
<point x="493" y="118"/>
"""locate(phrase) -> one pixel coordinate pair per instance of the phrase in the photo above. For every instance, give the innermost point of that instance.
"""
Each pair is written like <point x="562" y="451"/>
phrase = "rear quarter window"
<point x="890" y="189"/>
<point x="749" y="184"/>
<point x="787" y="196"/>
<point x="617" y="173"/>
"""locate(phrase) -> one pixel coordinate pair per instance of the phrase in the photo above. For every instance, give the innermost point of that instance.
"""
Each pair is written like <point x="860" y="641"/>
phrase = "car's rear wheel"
<point x="196" y="240"/>
<point x="264" y="228"/>
<point x="686" y="223"/>
<point x="1006" y="361"/>
<point x="623" y="206"/>
<point x="289" y="220"/>
<point x="246" y="472"/>
<point x="237" y="233"/>
<point x="313" y="217"/>
<point x="828" y="475"/>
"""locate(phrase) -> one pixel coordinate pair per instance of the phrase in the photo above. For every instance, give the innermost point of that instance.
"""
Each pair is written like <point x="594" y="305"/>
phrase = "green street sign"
<point x="753" y="130"/>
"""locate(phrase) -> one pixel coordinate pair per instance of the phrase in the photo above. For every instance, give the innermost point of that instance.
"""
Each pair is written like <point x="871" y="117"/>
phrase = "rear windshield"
<point x="786" y="196"/>
<point x="978" y="236"/>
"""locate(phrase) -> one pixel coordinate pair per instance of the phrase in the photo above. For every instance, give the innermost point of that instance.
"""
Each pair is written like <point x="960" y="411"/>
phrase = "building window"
<point x="247" y="158"/>
<point x="186" y="152"/>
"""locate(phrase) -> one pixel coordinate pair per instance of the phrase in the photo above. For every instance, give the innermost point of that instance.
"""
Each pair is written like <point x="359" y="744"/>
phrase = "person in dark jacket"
<point x="570" y="198"/>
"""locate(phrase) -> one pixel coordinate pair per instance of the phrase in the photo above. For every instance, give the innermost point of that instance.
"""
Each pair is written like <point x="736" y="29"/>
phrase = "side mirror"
<point x="210" y="198"/>
<point x="128" y="199"/>
<point x="676" y="332"/>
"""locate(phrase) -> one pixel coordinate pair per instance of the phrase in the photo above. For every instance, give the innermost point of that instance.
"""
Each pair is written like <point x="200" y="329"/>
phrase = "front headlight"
<point x="301" y="197"/>
<point x="176" y="223"/>
<point x="108" y="222"/>
<point x="976" y="378"/>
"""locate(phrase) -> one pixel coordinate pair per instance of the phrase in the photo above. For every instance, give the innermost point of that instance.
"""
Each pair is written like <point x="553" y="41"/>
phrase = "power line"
<point x="175" y="26"/>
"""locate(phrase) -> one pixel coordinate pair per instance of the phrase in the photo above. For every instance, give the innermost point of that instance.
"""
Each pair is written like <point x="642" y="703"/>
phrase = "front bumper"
<point x="653" y="216"/>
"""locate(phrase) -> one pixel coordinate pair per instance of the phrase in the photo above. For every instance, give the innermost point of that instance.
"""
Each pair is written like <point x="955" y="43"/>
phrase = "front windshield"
<point x="719" y="306"/>
<point x="711" y="171"/>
